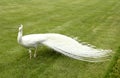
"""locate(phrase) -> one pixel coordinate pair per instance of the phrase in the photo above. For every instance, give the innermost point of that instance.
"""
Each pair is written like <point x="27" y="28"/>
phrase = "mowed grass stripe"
<point x="27" y="13"/>
<point x="30" y="23"/>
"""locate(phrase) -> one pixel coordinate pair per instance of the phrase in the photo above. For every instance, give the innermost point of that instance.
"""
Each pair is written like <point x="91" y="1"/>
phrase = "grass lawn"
<point x="93" y="21"/>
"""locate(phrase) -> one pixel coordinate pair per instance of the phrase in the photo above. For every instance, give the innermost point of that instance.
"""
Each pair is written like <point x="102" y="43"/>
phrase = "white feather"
<point x="74" y="49"/>
<point x="65" y="45"/>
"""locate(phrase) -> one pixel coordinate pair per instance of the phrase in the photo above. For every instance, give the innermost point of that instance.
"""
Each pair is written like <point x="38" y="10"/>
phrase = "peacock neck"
<point x="19" y="38"/>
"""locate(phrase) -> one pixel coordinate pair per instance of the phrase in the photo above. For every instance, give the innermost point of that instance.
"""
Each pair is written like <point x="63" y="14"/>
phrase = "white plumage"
<point x="62" y="44"/>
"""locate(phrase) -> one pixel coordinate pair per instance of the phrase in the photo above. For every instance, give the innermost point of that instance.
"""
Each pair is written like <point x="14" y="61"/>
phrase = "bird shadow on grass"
<point x="48" y="53"/>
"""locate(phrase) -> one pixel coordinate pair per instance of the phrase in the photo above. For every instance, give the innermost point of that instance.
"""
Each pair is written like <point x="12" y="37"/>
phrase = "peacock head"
<point x="21" y="27"/>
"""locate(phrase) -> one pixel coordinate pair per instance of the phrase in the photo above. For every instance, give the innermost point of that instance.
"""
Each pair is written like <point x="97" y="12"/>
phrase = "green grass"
<point x="114" y="69"/>
<point x="93" y="21"/>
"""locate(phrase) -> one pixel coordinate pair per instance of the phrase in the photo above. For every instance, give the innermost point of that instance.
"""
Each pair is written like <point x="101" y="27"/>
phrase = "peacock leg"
<point x="35" y="53"/>
<point x="30" y="52"/>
